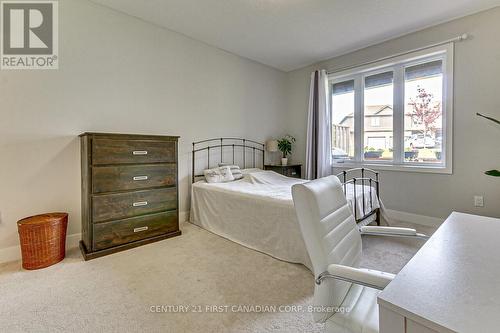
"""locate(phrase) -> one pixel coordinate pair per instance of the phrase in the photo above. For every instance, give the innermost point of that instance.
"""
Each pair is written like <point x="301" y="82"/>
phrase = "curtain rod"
<point x="451" y="40"/>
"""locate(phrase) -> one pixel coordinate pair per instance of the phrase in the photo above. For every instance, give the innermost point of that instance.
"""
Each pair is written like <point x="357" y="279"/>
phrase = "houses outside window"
<point x="375" y="121"/>
<point x="395" y="114"/>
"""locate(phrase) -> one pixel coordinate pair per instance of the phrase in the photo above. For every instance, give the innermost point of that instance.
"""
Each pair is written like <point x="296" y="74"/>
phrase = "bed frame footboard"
<point x="369" y="178"/>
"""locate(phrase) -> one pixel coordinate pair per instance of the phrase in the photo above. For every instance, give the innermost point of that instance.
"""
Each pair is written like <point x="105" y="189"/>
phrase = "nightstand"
<point x="292" y="170"/>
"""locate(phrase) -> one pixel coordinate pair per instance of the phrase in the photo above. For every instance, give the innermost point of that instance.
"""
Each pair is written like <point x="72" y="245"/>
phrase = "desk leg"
<point x="390" y="321"/>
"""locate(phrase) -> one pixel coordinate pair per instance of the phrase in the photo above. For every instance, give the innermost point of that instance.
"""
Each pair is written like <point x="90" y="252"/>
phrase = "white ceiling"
<point x="289" y="34"/>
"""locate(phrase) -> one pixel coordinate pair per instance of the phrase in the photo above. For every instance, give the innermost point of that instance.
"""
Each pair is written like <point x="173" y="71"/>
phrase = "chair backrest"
<point x="331" y="237"/>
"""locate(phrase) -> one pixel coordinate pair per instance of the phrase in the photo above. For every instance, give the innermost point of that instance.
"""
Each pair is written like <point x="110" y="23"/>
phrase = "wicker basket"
<point x="43" y="239"/>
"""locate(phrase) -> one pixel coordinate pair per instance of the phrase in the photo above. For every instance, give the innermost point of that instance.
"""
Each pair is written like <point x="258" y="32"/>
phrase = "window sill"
<point x="395" y="167"/>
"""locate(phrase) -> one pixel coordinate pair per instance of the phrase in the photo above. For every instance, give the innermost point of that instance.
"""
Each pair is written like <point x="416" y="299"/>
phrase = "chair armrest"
<point x="391" y="231"/>
<point x="365" y="277"/>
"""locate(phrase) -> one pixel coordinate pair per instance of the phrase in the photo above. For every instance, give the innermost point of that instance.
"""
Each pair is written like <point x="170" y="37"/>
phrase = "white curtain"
<point x="318" y="146"/>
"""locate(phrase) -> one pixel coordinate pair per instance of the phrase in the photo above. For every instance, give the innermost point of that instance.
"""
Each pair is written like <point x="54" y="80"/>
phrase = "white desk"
<point x="451" y="285"/>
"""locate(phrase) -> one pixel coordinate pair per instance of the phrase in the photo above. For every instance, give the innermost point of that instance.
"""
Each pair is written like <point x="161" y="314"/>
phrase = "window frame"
<point x="397" y="65"/>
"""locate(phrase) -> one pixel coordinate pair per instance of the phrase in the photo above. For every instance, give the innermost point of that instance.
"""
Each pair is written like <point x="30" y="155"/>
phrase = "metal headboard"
<point x="221" y="147"/>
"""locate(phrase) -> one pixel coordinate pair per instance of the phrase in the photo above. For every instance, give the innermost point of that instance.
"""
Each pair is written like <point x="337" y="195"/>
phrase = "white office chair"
<point x="345" y="296"/>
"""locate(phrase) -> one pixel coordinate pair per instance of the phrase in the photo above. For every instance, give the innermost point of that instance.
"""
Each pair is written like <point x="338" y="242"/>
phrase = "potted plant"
<point x="285" y="146"/>
<point x="493" y="173"/>
<point x="371" y="152"/>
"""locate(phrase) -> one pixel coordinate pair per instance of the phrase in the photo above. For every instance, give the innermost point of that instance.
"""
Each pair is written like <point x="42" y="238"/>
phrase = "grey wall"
<point x="119" y="74"/>
<point x="476" y="143"/>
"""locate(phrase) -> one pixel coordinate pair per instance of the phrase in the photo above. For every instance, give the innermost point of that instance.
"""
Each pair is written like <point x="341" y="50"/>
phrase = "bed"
<point x="257" y="211"/>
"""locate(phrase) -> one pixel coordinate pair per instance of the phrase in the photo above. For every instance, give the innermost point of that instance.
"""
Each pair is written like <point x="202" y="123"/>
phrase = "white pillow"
<point x="235" y="170"/>
<point x="218" y="175"/>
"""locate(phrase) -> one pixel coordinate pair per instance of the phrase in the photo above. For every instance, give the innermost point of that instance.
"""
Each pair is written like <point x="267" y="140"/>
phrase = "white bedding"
<point x="257" y="212"/>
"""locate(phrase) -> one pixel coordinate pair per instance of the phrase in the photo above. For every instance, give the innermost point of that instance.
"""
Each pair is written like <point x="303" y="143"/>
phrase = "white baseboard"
<point x="413" y="218"/>
<point x="184" y="216"/>
<point x="13" y="253"/>
<point x="8" y="254"/>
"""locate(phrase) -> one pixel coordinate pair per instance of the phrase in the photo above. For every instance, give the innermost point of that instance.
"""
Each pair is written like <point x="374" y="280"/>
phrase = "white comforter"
<point x="257" y="212"/>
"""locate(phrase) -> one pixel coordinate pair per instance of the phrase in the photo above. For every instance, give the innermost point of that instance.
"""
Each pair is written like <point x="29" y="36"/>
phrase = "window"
<point x="378" y="103"/>
<point x="395" y="114"/>
<point x="343" y="120"/>
<point x="423" y="114"/>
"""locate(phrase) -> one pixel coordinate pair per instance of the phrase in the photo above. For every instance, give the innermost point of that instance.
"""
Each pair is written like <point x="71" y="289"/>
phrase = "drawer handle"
<point x="138" y="178"/>
<point x="140" y="203"/>
<point x="140" y="152"/>
<point x="140" y="229"/>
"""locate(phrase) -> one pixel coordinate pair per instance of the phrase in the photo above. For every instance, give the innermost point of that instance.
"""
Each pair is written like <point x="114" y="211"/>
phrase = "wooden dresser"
<point x="129" y="191"/>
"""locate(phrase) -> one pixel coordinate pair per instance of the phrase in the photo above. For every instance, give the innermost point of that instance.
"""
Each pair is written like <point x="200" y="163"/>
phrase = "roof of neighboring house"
<point x="377" y="110"/>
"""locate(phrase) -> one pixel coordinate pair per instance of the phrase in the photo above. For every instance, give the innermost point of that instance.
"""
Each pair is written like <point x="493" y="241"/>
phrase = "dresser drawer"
<point x="132" y="177"/>
<point x="115" y="233"/>
<point x="114" y="151"/>
<point x="118" y="206"/>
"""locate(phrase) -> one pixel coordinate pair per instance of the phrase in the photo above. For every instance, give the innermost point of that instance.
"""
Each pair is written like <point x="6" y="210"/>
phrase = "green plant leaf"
<point x="493" y="173"/>
<point x="285" y="145"/>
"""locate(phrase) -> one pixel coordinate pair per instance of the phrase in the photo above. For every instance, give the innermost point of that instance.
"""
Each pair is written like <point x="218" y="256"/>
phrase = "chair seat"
<point x="360" y="312"/>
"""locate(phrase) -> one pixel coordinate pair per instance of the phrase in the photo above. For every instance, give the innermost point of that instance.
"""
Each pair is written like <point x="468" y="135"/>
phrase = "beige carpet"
<point x="116" y="293"/>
